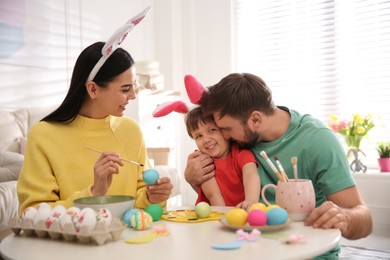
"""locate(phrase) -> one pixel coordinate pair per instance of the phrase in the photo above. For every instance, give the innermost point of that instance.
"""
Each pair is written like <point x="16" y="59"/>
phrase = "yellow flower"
<point x="360" y="130"/>
<point x="353" y="131"/>
<point x="334" y="117"/>
<point x="358" y="119"/>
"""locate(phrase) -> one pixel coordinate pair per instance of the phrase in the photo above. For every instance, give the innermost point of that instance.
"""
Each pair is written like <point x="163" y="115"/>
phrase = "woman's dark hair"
<point x="194" y="117"/>
<point x="119" y="61"/>
<point x="238" y="95"/>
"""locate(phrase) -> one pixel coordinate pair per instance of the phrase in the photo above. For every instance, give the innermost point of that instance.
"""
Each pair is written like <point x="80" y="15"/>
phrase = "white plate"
<point x="261" y="228"/>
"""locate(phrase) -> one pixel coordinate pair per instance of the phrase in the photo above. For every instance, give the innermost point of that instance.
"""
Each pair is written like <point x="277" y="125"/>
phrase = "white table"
<point x="186" y="241"/>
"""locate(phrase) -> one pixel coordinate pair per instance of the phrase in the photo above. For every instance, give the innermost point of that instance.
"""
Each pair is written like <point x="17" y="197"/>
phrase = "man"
<point x="244" y="110"/>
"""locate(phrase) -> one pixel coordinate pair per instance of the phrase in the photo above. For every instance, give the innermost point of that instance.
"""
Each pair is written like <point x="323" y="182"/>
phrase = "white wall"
<point x="192" y="37"/>
<point x="186" y="37"/>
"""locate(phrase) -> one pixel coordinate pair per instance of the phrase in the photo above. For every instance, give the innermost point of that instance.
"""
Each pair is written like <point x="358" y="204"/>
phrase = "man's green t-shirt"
<point x="321" y="158"/>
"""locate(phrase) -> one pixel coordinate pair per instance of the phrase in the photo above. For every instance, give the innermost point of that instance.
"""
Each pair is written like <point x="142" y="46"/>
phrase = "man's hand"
<point x="200" y="168"/>
<point x="326" y="216"/>
<point x="344" y="210"/>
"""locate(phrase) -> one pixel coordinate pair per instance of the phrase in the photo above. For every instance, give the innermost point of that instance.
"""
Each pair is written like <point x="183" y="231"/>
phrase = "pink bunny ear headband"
<point x="194" y="90"/>
<point x="115" y="40"/>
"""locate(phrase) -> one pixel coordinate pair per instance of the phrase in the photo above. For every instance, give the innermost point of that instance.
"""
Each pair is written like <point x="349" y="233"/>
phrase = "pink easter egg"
<point x="257" y="217"/>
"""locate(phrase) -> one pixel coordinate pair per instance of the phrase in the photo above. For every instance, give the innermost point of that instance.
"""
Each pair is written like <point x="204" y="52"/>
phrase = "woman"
<point x="59" y="167"/>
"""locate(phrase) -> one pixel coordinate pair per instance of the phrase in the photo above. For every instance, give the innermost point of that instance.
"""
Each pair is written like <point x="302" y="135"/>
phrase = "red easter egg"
<point x="257" y="217"/>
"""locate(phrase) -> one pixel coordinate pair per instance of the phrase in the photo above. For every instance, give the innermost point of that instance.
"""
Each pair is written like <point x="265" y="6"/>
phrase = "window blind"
<point x="41" y="40"/>
<point x="320" y="57"/>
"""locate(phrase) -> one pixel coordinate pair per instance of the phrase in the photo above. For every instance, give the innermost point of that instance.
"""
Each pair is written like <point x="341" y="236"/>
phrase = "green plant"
<point x="383" y="149"/>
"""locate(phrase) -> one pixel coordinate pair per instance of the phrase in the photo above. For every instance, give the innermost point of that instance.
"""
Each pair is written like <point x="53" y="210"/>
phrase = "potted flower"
<point x="353" y="130"/>
<point x="383" y="149"/>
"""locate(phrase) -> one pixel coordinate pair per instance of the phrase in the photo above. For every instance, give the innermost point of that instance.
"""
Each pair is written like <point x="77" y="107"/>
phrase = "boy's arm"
<point x="211" y="190"/>
<point x="252" y="185"/>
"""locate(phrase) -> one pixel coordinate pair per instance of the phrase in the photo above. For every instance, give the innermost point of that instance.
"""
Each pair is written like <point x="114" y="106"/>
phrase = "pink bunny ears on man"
<point x="194" y="90"/>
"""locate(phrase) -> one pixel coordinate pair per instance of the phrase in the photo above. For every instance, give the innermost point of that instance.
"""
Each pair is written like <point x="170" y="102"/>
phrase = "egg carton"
<point x="99" y="235"/>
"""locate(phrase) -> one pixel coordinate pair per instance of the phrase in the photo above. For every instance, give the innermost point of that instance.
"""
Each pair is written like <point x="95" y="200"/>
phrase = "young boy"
<point x="236" y="181"/>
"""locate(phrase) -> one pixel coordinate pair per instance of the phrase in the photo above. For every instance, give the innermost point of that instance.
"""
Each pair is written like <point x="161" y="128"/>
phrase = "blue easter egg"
<point x="127" y="216"/>
<point x="150" y="176"/>
<point x="276" y="216"/>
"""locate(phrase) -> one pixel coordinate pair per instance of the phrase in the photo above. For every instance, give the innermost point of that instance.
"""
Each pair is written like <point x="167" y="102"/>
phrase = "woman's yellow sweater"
<point x="58" y="168"/>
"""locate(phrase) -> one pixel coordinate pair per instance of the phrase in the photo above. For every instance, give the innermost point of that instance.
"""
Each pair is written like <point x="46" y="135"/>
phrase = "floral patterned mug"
<point x="296" y="196"/>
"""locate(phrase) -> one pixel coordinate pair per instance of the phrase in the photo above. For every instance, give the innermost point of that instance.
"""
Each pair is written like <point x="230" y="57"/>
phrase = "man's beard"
<point x="252" y="137"/>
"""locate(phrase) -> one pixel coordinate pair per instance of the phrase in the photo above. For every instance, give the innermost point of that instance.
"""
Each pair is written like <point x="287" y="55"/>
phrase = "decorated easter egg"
<point x="73" y="211"/>
<point x="55" y="215"/>
<point x="202" y="209"/>
<point x="257" y="217"/>
<point x="155" y="211"/>
<point x="57" y="211"/>
<point x="127" y="216"/>
<point x="28" y="213"/>
<point x="236" y="217"/>
<point x="141" y="220"/>
<point x="85" y="220"/>
<point x="42" y="214"/>
<point x="276" y="216"/>
<point x="150" y="176"/>
<point x="104" y="215"/>
<point x="258" y="205"/>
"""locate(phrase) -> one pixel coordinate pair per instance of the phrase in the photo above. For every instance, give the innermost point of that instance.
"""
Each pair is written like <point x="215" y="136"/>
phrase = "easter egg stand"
<point x="101" y="234"/>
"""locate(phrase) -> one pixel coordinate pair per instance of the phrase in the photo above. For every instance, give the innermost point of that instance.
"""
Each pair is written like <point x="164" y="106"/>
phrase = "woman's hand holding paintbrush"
<point x="122" y="159"/>
<point x="107" y="164"/>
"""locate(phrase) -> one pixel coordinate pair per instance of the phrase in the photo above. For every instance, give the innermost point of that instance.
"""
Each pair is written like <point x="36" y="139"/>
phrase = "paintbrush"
<point x="122" y="159"/>
<point x="281" y="169"/>
<point x="264" y="155"/>
<point x="294" y="161"/>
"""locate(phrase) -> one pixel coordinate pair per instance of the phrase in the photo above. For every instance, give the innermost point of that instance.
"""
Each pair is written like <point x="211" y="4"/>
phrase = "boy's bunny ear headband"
<point x="194" y="90"/>
<point x="115" y="40"/>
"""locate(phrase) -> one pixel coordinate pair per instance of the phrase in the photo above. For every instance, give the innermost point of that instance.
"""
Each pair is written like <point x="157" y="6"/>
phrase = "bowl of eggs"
<point x="116" y="204"/>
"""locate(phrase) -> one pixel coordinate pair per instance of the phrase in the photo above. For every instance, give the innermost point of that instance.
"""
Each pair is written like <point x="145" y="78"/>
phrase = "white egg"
<point x="49" y="221"/>
<point x="28" y="213"/>
<point x="104" y="215"/>
<point x="73" y="213"/>
<point x="86" y="219"/>
<point x="44" y="205"/>
<point x="65" y="219"/>
<point x="42" y="214"/>
<point x="58" y="211"/>
<point x="55" y="215"/>
<point x="59" y="208"/>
